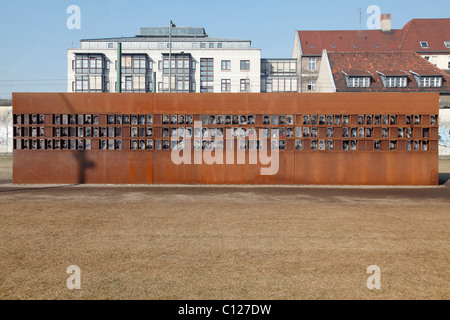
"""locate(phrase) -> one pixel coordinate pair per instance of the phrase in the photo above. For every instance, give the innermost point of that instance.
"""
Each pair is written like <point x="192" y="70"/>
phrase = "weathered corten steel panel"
<point x="394" y="163"/>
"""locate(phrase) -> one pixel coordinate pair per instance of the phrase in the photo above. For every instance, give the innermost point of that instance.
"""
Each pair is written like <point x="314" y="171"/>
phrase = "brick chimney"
<point x="385" y="22"/>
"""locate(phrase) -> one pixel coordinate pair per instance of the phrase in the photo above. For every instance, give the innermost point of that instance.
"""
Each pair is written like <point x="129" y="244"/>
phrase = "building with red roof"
<point x="430" y="38"/>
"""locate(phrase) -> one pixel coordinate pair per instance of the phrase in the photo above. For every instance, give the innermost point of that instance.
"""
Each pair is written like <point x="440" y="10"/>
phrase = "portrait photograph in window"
<point x="298" y="144"/>
<point x="118" y="145"/>
<point x="369" y="132"/>
<point x="204" y="119"/>
<point x="360" y="132"/>
<point x="110" y="119"/>
<point x="274" y="144"/>
<point x="220" y="120"/>
<point x="433" y="120"/>
<point x="337" y="120"/>
<point x="41" y="119"/>
<point x="212" y="120"/>
<point x="377" y="145"/>
<point x="134" y="119"/>
<point x="353" y="145"/>
<point x="353" y="132"/>
<point x="306" y="119"/>
<point x="165" y="145"/>
<point x="228" y="120"/>
<point x="88" y="119"/>
<point x="314" y="144"/>
<point x="345" y="145"/>
<point x="322" y="145"/>
<point x="361" y="120"/>
<point x="102" y="145"/>
<point x="134" y="145"/>
<point x="321" y="119"/>
<point x="126" y="119"/>
<point x="393" y="120"/>
<point x="314" y="120"/>
<point x="118" y="119"/>
<point x="345" y="132"/>
<point x="57" y="132"/>
<point x="306" y="132"/>
<point x="251" y="119"/>
<point x="133" y="132"/>
<point x="165" y="119"/>
<point x="416" y="145"/>
<point x="376" y="120"/>
<point x="345" y="120"/>
<point x="393" y="145"/>
<point x="384" y="132"/>
<point x="314" y="132"/>
<point x="57" y="119"/>
<point x="417" y="120"/>
<point x="141" y="120"/>
<point x="385" y="120"/>
<point x="329" y="144"/>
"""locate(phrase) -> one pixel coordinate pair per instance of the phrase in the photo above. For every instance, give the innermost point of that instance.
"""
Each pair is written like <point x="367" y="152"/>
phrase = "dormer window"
<point x="447" y="44"/>
<point x="424" y="44"/>
<point x="430" y="82"/>
<point x="395" y="82"/>
<point x="358" y="82"/>
<point x="357" y="79"/>
<point x="427" y="80"/>
<point x="394" y="79"/>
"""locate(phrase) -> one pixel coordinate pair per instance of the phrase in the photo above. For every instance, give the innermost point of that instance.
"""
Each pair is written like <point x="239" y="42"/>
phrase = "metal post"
<point x="119" y="67"/>
<point x="170" y="56"/>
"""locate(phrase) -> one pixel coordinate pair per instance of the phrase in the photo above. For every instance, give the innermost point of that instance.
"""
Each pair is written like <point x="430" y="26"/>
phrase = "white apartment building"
<point x="199" y="63"/>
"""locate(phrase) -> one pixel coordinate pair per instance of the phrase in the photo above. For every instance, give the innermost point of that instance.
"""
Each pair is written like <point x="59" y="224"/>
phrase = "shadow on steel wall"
<point x="83" y="163"/>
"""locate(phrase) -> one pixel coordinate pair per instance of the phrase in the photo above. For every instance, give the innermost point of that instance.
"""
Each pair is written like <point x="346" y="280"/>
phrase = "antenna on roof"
<point x="360" y="19"/>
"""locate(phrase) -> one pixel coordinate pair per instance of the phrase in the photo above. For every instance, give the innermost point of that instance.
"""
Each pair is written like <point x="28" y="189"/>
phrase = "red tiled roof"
<point x="434" y="31"/>
<point x="388" y="63"/>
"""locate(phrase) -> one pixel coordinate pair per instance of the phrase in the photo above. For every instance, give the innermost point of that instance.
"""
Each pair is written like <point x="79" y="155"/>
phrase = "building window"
<point x="226" y="85"/>
<point x="82" y="84"/>
<point x="207" y="75"/>
<point x="434" y="60"/>
<point x="358" y="82"/>
<point x="87" y="64"/>
<point x="193" y="65"/>
<point x="447" y="44"/>
<point x="110" y="45"/>
<point x="203" y="45"/>
<point x="427" y="58"/>
<point x="226" y="64"/>
<point x="219" y="45"/>
<point x="160" y="86"/>
<point x="311" y="63"/>
<point x="245" y="85"/>
<point x="395" y="82"/>
<point x="245" y="64"/>
<point x="430" y="82"/>
<point x="211" y="45"/>
<point x="311" y="85"/>
<point x="424" y="44"/>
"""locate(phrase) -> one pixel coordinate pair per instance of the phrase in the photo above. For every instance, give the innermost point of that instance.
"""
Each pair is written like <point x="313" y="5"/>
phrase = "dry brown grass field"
<point x="173" y="242"/>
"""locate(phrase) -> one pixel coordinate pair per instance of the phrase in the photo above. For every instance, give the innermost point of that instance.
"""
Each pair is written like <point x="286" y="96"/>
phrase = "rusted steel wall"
<point x="119" y="164"/>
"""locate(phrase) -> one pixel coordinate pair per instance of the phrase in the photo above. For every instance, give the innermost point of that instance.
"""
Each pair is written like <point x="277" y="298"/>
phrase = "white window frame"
<point x="426" y="44"/>
<point x="312" y="61"/>
<point x="226" y="65"/>
<point x="311" y="86"/>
